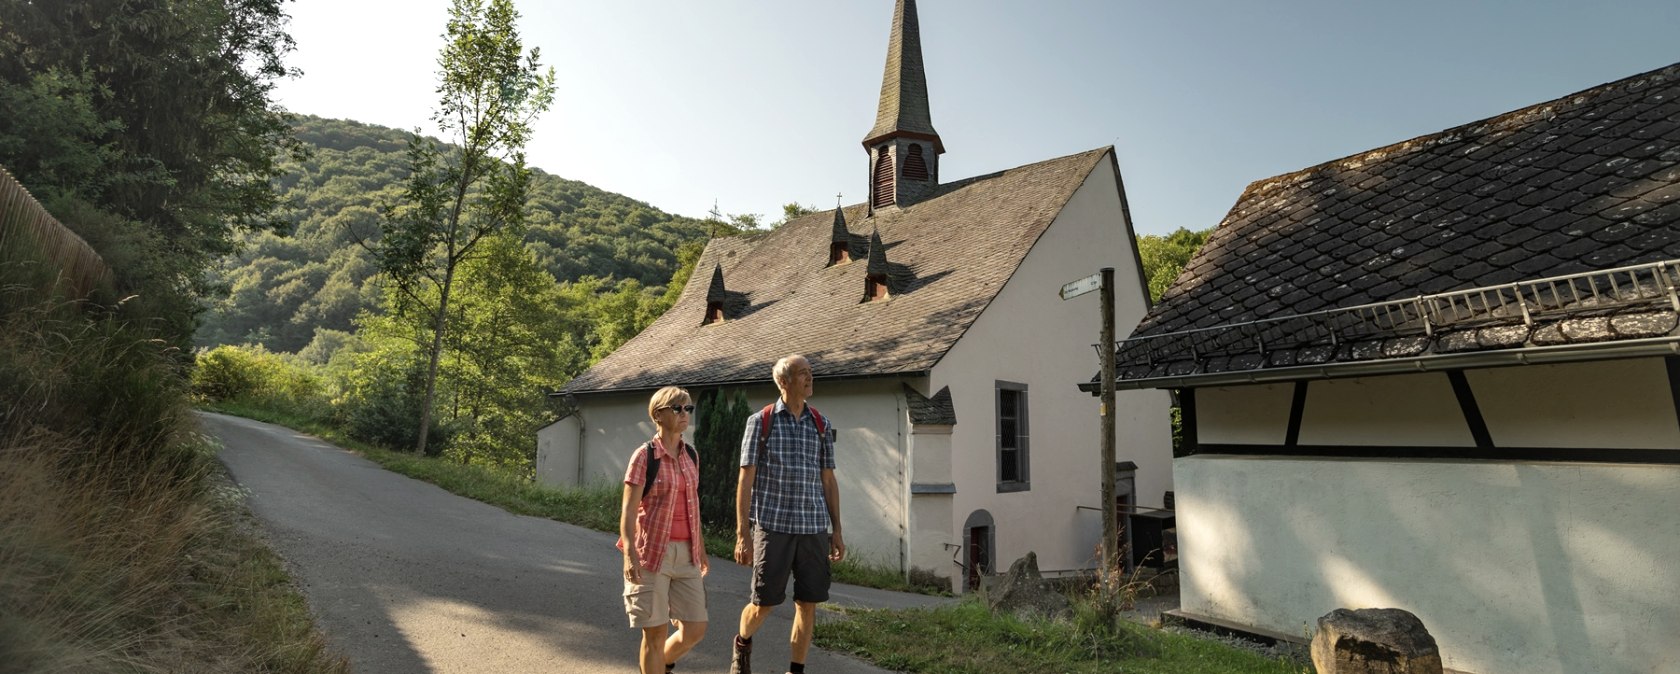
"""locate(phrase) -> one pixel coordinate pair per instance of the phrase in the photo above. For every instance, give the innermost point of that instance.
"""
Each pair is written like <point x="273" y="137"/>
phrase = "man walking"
<point x="787" y="513"/>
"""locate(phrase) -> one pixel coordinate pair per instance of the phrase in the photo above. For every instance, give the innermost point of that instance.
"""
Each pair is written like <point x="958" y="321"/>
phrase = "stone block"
<point x="1374" y="641"/>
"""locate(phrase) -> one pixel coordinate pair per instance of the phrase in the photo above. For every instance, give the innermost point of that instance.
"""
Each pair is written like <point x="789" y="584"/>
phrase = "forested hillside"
<point x="284" y="287"/>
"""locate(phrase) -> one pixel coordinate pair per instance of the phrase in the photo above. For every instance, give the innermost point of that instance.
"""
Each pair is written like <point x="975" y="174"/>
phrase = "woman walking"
<point x="659" y="532"/>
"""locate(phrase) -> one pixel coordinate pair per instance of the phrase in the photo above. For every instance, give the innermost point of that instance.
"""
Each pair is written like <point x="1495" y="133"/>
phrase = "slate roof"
<point x="937" y="410"/>
<point x="947" y="258"/>
<point x="904" y="99"/>
<point x="1587" y="182"/>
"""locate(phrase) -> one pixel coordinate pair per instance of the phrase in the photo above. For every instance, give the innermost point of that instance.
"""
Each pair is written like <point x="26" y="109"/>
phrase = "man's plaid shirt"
<point x="788" y="492"/>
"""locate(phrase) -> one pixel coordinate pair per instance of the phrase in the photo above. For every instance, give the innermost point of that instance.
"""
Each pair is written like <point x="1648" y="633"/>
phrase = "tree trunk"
<point x="437" y="352"/>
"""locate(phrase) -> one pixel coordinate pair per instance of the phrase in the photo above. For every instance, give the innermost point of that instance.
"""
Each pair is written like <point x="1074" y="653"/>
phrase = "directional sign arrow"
<point x="1082" y="286"/>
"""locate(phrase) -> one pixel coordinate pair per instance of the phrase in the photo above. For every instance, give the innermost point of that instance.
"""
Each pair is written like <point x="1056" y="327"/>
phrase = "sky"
<point x="747" y="105"/>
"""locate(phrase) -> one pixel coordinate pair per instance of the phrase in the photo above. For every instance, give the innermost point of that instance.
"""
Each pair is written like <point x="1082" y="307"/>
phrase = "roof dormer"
<point x="715" y="295"/>
<point x="876" y="285"/>
<point x="840" y="242"/>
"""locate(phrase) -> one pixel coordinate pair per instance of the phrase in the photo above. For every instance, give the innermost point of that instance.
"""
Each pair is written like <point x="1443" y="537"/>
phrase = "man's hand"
<point x="632" y="567"/>
<point x="837" y="551"/>
<point x="743" y="550"/>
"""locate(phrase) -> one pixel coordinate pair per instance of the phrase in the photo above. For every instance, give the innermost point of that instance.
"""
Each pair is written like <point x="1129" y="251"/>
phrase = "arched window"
<point x="881" y="193"/>
<point x="915" y="167"/>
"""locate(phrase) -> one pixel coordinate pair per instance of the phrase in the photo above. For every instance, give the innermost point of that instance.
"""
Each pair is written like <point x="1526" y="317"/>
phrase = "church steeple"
<point x="903" y="147"/>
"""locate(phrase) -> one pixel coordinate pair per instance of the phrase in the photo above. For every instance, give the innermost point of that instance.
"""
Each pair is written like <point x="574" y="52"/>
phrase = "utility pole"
<point x="1111" y="524"/>
<point x="1104" y="280"/>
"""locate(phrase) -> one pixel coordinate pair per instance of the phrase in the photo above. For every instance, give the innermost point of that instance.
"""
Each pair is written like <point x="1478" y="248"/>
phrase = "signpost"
<point x="1104" y="280"/>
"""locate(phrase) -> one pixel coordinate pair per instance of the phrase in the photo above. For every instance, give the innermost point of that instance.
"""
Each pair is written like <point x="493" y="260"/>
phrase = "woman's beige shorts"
<point x="676" y="592"/>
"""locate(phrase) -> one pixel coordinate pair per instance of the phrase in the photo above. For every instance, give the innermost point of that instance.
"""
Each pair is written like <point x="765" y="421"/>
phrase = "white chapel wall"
<point x="1031" y="336"/>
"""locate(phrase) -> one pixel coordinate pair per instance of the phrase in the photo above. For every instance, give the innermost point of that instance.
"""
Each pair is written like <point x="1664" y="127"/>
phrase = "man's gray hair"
<point x="781" y="370"/>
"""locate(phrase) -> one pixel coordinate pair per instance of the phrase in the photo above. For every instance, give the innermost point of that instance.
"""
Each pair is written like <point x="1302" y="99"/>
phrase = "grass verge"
<point x="591" y="506"/>
<point x="965" y="638"/>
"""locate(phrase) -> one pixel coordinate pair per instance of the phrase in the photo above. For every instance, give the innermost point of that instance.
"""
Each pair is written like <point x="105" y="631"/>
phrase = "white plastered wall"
<point x="1578" y="405"/>
<point x="557" y="452"/>
<point x="1513" y="567"/>
<point x="1543" y="567"/>
<point x="1029" y="335"/>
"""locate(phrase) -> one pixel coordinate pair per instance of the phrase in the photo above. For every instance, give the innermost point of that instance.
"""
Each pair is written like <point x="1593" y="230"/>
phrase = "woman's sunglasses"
<point x="679" y="408"/>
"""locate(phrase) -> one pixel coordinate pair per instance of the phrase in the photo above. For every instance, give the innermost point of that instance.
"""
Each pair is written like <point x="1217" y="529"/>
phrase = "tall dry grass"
<point x="118" y="551"/>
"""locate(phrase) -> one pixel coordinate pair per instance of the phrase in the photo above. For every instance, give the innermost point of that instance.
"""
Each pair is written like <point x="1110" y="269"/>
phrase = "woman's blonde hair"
<point x="665" y="397"/>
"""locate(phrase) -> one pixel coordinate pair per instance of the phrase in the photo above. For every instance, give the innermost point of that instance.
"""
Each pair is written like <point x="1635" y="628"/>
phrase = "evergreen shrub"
<point x="721" y="417"/>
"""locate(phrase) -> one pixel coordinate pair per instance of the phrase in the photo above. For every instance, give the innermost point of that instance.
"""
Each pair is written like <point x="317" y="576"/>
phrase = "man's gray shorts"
<point x="775" y="555"/>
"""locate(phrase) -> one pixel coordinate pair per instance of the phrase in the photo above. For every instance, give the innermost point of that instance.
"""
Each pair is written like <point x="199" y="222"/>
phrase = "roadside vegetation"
<point x="141" y="142"/>
<point x="122" y="546"/>
<point x="966" y="638"/>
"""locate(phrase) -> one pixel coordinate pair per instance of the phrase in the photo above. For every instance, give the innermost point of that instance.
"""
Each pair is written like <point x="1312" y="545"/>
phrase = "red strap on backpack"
<point x="764" y="428"/>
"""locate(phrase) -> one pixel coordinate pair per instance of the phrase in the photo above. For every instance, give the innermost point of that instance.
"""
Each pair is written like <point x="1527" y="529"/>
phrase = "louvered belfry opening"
<point x="915" y="166"/>
<point x="714" y="312"/>
<point x="882" y="192"/>
<point x="839" y="252"/>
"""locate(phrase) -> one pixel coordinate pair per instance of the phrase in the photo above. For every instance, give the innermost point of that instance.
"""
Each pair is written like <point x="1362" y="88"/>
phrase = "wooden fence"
<point x="38" y="250"/>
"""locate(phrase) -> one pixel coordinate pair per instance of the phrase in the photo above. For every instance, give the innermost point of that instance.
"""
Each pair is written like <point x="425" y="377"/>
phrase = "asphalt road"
<point x="405" y="577"/>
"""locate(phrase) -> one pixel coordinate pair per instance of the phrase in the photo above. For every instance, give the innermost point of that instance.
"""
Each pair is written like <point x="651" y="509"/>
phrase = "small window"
<point x="875" y="288"/>
<point x="714" y="312"/>
<point x="1013" y="441"/>
<point x="839" y="252"/>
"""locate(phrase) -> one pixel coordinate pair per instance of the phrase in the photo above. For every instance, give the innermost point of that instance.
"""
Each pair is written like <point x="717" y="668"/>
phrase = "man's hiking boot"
<point x="741" y="661"/>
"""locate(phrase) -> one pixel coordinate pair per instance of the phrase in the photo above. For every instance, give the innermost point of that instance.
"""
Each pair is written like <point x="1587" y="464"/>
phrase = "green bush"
<point x="252" y="374"/>
<point x="382" y="395"/>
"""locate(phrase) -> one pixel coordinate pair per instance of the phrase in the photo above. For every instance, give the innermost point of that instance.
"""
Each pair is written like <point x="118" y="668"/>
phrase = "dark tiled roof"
<point x="936" y="410"/>
<point x="904" y="98"/>
<point x="947" y="257"/>
<point x="1590" y="181"/>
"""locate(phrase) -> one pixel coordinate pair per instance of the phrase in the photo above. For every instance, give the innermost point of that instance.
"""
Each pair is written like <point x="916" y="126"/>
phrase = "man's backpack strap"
<point x="764" y="428"/>
<point x="653" y="464"/>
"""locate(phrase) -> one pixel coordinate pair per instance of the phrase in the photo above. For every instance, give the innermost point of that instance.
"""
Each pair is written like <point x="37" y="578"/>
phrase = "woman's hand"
<point x="632" y="567"/>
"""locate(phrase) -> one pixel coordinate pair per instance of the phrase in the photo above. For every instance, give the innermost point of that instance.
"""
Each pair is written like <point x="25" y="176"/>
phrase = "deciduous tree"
<point x="490" y="91"/>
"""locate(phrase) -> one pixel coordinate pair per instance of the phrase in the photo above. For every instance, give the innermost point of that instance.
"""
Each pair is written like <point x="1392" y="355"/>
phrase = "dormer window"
<point x="840" y="238"/>
<point x="875" y="275"/>
<point x="715" y="296"/>
<point x="875" y="288"/>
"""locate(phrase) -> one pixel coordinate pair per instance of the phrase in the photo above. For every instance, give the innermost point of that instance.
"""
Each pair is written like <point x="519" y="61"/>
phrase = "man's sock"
<point x="796" y="668"/>
<point x="670" y="667"/>
<point x="743" y="643"/>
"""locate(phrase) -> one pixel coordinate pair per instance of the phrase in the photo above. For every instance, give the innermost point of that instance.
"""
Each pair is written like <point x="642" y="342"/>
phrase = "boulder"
<point x="1374" y="641"/>
<point x="1023" y="592"/>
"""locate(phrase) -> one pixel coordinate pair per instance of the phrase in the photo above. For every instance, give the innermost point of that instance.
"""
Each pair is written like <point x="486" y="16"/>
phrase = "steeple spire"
<point x="904" y="97"/>
<point x="903" y="147"/>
